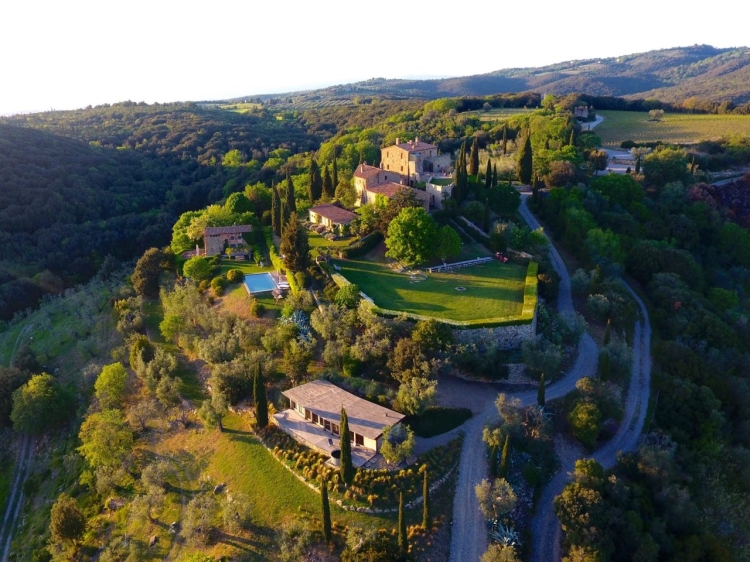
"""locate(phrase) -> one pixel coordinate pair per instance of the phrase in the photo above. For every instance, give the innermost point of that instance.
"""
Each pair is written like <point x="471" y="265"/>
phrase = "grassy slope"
<point x="493" y="290"/>
<point x="619" y="126"/>
<point x="235" y="457"/>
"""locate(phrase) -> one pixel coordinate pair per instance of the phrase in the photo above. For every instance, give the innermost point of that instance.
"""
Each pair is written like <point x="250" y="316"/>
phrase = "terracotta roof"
<point x="415" y="146"/>
<point x="366" y="172"/>
<point x="237" y="229"/>
<point x="326" y="399"/>
<point x="389" y="189"/>
<point x="333" y="213"/>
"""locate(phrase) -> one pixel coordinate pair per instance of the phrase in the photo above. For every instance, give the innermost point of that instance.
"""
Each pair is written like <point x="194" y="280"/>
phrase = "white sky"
<point x="65" y="54"/>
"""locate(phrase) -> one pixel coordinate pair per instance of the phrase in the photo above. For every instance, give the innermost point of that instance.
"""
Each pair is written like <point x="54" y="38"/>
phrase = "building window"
<point x="293" y="405"/>
<point x="327" y="425"/>
<point x="402" y="168"/>
<point x="334" y="429"/>
<point x="360" y="440"/>
<point x="307" y="414"/>
<point x="315" y="418"/>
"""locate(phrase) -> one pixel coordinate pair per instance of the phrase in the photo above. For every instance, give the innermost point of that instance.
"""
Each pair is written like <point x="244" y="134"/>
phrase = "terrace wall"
<point x="506" y="337"/>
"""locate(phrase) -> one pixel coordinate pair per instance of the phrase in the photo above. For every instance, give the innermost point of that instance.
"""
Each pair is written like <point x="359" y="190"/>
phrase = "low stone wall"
<point x="506" y="337"/>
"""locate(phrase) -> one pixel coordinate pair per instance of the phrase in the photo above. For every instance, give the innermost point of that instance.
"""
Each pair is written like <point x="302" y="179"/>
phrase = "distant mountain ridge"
<point x="671" y="75"/>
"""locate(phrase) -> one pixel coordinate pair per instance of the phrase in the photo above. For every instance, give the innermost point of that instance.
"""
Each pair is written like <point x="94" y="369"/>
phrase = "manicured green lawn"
<point x="319" y="241"/>
<point x="247" y="267"/>
<point x="493" y="290"/>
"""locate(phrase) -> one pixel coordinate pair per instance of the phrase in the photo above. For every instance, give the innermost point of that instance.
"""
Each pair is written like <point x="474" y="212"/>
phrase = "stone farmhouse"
<point x="371" y="182"/>
<point x="415" y="161"/>
<point x="216" y="238"/>
<point x="314" y="419"/>
<point x="330" y="216"/>
<point x="401" y="165"/>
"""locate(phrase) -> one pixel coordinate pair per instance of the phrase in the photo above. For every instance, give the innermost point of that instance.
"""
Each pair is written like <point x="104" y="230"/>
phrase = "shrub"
<point x="218" y="284"/>
<point x="235" y="276"/>
<point x="598" y="306"/>
<point x="580" y="282"/>
<point x="585" y="421"/>
<point x="257" y="309"/>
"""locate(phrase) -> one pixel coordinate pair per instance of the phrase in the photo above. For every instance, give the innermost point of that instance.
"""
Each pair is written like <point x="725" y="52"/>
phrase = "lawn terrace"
<point x="492" y="292"/>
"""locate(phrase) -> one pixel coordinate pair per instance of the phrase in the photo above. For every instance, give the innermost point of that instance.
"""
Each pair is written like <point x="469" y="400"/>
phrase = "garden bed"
<point x="371" y="490"/>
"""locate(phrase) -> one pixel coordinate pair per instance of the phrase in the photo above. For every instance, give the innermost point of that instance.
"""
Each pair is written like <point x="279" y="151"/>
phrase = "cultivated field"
<point x="497" y="113"/>
<point x="675" y="128"/>
<point x="492" y="290"/>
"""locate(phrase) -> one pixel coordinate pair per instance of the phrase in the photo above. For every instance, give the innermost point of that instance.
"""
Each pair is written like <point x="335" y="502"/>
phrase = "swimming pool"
<point x="259" y="283"/>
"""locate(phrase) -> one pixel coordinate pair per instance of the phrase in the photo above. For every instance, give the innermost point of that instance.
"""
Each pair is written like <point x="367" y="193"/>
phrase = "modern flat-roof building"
<point x="319" y="403"/>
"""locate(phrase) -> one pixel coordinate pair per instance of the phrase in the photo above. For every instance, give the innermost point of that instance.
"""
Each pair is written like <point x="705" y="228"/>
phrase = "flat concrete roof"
<point x="326" y="400"/>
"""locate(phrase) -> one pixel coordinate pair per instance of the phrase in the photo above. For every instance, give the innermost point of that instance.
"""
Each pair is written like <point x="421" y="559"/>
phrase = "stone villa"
<point x="414" y="161"/>
<point x="401" y="166"/>
<point x="216" y="238"/>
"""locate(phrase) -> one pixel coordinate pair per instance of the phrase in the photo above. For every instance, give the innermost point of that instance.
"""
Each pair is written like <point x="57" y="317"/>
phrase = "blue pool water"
<point x="259" y="283"/>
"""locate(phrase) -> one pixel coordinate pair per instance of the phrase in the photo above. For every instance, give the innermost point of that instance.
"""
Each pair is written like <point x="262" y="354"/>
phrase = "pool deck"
<point x="276" y="282"/>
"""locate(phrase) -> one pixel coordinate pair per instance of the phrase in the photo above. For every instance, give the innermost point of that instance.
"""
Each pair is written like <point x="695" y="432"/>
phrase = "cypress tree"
<point x="486" y="216"/>
<point x="426" y="519"/>
<point x="604" y="364"/>
<point x="474" y="161"/>
<point x="494" y="175"/>
<point x="535" y="189"/>
<point x="259" y="394"/>
<point x="525" y="161"/>
<point x="488" y="176"/>
<point x="326" y="509"/>
<point x="638" y="164"/>
<point x="328" y="189"/>
<point x="403" y="545"/>
<point x="291" y="202"/>
<point x="540" y="392"/>
<point x="505" y="139"/>
<point x="505" y="458"/>
<point x="347" y="468"/>
<point x="316" y="182"/>
<point x="572" y="140"/>
<point x="335" y="172"/>
<point x="607" y="332"/>
<point x="493" y="461"/>
<point x="295" y="246"/>
<point x="275" y="211"/>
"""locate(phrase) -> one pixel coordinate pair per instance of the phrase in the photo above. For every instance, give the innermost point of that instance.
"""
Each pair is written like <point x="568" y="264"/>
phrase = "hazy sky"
<point x="72" y="53"/>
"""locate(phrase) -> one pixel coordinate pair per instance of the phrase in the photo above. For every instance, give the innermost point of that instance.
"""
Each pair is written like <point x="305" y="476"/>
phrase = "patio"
<point x="315" y="437"/>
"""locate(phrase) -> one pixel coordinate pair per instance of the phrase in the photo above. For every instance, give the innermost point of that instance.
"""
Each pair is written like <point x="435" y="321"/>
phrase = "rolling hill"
<point x="671" y="75"/>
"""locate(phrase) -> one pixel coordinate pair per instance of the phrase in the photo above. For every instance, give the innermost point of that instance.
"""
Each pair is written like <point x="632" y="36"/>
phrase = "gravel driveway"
<point x="469" y="534"/>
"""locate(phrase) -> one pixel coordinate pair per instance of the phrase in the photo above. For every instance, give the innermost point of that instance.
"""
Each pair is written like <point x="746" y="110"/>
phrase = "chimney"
<point x="416" y="140"/>
<point x="398" y="140"/>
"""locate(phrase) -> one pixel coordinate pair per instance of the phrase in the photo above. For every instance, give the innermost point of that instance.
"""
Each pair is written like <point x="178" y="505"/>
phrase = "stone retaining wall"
<point x="506" y="337"/>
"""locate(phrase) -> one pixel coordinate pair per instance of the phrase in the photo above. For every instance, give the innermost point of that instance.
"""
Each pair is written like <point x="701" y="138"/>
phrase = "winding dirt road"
<point x="469" y="536"/>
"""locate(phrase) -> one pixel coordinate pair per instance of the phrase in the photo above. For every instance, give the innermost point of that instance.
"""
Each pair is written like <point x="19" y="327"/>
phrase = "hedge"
<point x="362" y="246"/>
<point x="526" y="317"/>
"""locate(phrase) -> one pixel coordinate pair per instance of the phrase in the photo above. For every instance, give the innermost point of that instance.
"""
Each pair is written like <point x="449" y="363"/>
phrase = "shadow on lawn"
<point x="258" y="543"/>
